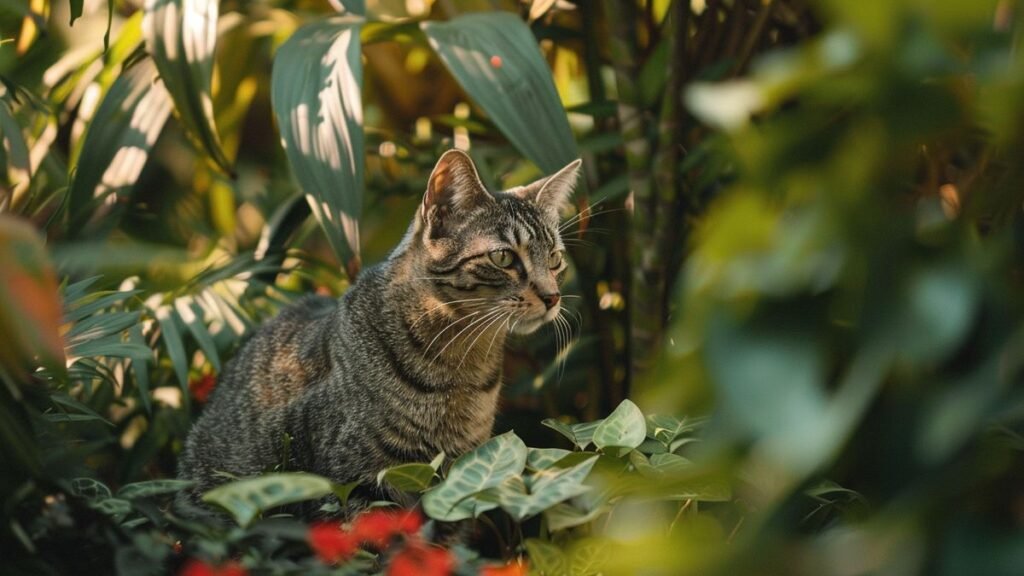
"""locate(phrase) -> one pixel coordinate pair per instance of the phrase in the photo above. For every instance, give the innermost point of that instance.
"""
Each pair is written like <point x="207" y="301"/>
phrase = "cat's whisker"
<point x="508" y="317"/>
<point x="520" y="317"/>
<point x="487" y="327"/>
<point x="443" y="304"/>
<point x="487" y="315"/>
<point x="565" y="225"/>
<point x="445" y="329"/>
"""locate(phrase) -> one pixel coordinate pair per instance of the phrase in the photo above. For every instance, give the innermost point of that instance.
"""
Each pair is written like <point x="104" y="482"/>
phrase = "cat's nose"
<point x="550" y="300"/>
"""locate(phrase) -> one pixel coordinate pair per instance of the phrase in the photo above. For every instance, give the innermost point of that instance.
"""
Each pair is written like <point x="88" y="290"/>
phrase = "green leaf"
<point x="115" y="507"/>
<point x="343" y="491"/>
<point x="94" y="303"/>
<point x="624" y="428"/>
<point x="495" y="58"/>
<point x="69" y="402"/>
<point x="118" y="141"/>
<point x="75" y="9"/>
<point x="541" y="458"/>
<point x="483" y="468"/>
<point x="562" y="516"/>
<point x="412" y="477"/>
<point x="140" y="364"/>
<point x="245" y="499"/>
<point x="181" y="36"/>
<point x="13" y="150"/>
<point x="170" y="333"/>
<point x="546" y="558"/>
<point x="579" y="434"/>
<point x="150" y="488"/>
<point x="90" y="489"/>
<point x="545" y="489"/>
<point x="192" y="316"/>
<point x="315" y="93"/>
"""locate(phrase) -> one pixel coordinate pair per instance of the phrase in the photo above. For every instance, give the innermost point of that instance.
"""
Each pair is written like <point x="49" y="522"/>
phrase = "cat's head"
<point x="496" y="255"/>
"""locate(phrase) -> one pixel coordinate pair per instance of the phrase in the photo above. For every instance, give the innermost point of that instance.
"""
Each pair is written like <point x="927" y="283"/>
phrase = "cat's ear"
<point x="552" y="194"/>
<point x="454" y="187"/>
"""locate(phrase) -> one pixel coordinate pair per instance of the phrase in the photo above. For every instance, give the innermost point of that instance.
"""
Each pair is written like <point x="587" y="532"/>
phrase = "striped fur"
<point x="408" y="363"/>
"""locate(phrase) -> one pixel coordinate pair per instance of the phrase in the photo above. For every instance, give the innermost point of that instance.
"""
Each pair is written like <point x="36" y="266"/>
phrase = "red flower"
<point x="202" y="387"/>
<point x="378" y="527"/>
<point x="510" y="569"/>
<point x="331" y="544"/>
<point x="199" y="568"/>
<point x="418" y="559"/>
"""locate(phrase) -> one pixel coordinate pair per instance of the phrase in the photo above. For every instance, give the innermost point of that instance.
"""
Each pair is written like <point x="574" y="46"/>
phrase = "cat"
<point x="408" y="363"/>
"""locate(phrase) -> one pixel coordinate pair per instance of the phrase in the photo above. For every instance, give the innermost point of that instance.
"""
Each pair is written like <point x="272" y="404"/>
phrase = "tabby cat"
<point x="408" y="363"/>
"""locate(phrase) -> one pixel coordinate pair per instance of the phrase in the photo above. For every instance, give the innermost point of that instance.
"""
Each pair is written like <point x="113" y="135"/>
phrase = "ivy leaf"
<point x="412" y="477"/>
<point x="545" y="489"/>
<point x="624" y="428"/>
<point x="245" y="499"/>
<point x="152" y="488"/>
<point x="485" y="467"/>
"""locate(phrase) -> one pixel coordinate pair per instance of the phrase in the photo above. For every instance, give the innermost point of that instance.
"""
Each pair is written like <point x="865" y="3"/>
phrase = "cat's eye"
<point x="555" y="260"/>
<point x="502" y="258"/>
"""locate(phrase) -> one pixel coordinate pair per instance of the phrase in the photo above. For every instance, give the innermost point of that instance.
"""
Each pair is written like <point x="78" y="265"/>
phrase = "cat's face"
<point x="497" y="257"/>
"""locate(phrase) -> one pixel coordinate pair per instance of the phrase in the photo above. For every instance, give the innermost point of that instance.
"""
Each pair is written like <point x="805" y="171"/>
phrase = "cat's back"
<point x="240" y="429"/>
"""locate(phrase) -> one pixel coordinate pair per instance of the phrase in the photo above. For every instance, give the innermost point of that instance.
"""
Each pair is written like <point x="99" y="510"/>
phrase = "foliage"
<point x="799" y="278"/>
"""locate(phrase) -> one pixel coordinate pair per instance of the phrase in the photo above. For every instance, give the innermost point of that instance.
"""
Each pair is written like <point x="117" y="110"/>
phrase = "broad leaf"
<point x="545" y="489"/>
<point x="474" y="472"/>
<point x="546" y="558"/>
<point x="90" y="489"/>
<point x="625" y="428"/>
<point x="413" y="477"/>
<point x="579" y="434"/>
<point x="118" y="141"/>
<point x="245" y="499"/>
<point x="181" y="36"/>
<point x="152" y="488"/>
<point x="495" y="58"/>
<point x="316" y="98"/>
<point x="541" y="458"/>
<point x="562" y="516"/>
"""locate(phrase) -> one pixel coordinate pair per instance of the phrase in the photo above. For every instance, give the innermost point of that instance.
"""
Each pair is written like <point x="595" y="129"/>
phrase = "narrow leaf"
<point x="181" y="36"/>
<point x="192" y="315"/>
<point x="118" y="141"/>
<point x="13" y="151"/>
<point x="316" y="98"/>
<point x="150" y="488"/>
<point x="171" y="334"/>
<point x="495" y="58"/>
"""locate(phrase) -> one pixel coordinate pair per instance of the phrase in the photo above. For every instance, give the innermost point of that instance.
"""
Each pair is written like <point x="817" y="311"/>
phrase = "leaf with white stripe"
<point x="118" y="141"/>
<point x="315" y="91"/>
<point x="486" y="467"/>
<point x="181" y="36"/>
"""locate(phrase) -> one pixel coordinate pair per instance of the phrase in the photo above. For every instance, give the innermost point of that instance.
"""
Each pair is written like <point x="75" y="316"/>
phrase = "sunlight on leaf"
<point x="485" y="467"/>
<point x="316" y="85"/>
<point x="181" y="36"/>
<point x="118" y="141"/>
<point x="494" y="57"/>
<point x="245" y="499"/>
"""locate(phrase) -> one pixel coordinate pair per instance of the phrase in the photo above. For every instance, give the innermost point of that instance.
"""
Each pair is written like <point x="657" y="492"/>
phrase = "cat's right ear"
<point x="454" y="188"/>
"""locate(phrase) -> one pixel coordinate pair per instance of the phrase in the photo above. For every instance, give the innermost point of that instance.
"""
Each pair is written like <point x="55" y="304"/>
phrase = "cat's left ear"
<point x="552" y="194"/>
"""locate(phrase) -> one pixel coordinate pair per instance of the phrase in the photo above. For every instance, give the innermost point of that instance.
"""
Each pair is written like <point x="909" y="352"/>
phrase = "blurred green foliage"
<point x="801" y="254"/>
